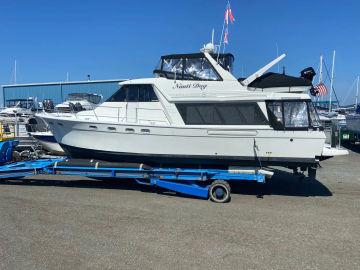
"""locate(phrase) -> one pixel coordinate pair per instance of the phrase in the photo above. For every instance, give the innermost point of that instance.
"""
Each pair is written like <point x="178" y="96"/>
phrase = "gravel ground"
<point x="75" y="223"/>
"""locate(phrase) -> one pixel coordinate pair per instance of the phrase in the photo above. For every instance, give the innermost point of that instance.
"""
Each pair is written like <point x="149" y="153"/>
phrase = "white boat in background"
<point x="79" y="102"/>
<point x="353" y="120"/>
<point x="74" y="103"/>
<point x="196" y="113"/>
<point x="18" y="108"/>
<point x="48" y="142"/>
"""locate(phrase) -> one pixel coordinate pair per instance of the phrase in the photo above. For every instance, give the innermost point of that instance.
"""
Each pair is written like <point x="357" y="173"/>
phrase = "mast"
<point x="357" y="92"/>
<point x="332" y="80"/>
<point x="321" y="72"/>
<point x="321" y="69"/>
<point x="15" y="72"/>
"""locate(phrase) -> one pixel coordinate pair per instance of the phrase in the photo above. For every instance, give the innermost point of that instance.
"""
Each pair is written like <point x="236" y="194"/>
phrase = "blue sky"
<point x="124" y="39"/>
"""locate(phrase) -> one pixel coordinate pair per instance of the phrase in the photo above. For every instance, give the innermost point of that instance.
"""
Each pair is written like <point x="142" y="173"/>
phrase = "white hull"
<point x="203" y="144"/>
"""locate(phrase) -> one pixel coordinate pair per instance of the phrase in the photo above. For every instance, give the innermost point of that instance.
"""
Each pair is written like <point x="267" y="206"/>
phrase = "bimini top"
<point x="194" y="66"/>
<point x="271" y="79"/>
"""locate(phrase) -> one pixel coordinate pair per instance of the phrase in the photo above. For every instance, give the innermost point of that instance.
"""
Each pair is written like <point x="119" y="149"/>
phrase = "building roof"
<point x="65" y="83"/>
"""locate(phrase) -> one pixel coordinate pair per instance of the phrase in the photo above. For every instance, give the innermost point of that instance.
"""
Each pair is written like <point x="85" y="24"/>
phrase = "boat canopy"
<point x="192" y="66"/>
<point x="271" y="79"/>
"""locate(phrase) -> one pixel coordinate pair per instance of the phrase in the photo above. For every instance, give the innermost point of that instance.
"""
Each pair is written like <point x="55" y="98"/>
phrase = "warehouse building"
<point x="58" y="91"/>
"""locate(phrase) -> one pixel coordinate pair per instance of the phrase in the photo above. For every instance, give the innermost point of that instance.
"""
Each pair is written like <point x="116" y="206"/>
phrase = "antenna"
<point x="67" y="76"/>
<point x="332" y="80"/>
<point x="212" y="36"/>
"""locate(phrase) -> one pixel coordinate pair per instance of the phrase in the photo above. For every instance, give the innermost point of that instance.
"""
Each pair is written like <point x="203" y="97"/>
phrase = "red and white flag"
<point x="229" y="15"/>
<point x="321" y="89"/>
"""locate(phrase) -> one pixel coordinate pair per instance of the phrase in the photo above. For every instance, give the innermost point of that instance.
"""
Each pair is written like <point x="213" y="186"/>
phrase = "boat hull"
<point x="48" y="142"/>
<point x="187" y="145"/>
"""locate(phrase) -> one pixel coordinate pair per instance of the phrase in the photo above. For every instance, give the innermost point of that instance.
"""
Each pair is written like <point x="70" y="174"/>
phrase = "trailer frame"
<point x="202" y="183"/>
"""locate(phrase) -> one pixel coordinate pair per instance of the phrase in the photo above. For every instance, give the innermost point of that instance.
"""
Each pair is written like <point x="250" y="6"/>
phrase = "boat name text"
<point x="190" y="85"/>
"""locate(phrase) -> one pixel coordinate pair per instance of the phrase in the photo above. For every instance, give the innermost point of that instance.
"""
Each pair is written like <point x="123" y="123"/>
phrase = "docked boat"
<point x="75" y="102"/>
<point x="353" y="121"/>
<point x="79" y="102"/>
<point x="196" y="113"/>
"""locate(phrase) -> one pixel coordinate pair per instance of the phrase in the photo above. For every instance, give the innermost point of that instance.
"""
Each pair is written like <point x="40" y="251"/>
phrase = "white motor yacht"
<point x="196" y="113"/>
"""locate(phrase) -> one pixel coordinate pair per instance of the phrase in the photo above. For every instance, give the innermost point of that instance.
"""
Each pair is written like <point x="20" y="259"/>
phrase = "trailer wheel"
<point x="220" y="191"/>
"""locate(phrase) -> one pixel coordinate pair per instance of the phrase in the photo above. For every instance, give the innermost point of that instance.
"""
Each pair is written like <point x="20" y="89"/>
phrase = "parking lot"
<point x="76" y="223"/>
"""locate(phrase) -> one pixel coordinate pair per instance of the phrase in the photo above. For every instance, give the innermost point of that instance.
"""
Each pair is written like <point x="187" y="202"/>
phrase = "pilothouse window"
<point x="134" y="93"/>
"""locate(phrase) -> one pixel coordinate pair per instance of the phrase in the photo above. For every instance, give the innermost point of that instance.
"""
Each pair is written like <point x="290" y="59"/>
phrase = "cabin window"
<point x="275" y="114"/>
<point x="134" y="93"/>
<point x="296" y="114"/>
<point x="314" y="117"/>
<point x="292" y="115"/>
<point x="245" y="113"/>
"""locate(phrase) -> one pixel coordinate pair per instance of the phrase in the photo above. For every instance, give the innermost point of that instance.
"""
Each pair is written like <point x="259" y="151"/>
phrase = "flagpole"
<point x="222" y="33"/>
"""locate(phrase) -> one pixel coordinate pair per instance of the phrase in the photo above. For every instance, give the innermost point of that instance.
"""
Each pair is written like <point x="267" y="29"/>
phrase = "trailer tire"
<point x="219" y="191"/>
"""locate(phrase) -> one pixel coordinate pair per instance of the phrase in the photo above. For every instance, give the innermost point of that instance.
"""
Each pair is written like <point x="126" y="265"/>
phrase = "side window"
<point x="246" y="113"/>
<point x="134" y="93"/>
<point x="119" y="96"/>
<point x="275" y="112"/>
<point x="296" y="114"/>
<point x="146" y="93"/>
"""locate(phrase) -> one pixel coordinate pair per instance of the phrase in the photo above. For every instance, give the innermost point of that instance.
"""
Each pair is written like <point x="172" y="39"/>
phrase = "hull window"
<point x="246" y="113"/>
<point x="134" y="93"/>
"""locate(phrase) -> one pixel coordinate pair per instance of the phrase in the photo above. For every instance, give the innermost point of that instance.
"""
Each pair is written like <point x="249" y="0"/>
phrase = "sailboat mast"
<point x="321" y="72"/>
<point x="332" y="81"/>
<point x="357" y="92"/>
<point x="321" y="69"/>
<point x="15" y="72"/>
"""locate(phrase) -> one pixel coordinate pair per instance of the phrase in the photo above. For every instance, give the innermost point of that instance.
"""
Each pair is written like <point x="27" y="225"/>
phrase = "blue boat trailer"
<point x="210" y="184"/>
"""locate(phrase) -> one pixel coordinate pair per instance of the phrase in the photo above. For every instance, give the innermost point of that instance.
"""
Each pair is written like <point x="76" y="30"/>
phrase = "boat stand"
<point x="210" y="184"/>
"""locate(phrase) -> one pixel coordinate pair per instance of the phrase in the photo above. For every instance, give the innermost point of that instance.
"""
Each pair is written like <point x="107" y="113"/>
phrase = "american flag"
<point x="321" y="89"/>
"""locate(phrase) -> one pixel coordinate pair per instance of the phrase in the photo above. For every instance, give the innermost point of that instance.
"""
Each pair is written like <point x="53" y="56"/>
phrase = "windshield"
<point x="20" y="103"/>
